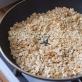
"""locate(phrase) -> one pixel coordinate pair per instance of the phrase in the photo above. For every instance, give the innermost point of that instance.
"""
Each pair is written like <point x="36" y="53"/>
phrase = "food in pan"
<point x="49" y="44"/>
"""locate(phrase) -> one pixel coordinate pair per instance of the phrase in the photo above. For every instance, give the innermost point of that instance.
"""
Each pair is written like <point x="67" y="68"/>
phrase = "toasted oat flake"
<point x="49" y="44"/>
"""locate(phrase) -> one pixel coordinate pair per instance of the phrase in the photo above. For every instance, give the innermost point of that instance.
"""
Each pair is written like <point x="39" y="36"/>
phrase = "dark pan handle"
<point x="77" y="80"/>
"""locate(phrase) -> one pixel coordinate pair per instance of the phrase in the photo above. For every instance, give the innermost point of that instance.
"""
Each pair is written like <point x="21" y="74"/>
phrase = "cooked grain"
<point x="61" y="55"/>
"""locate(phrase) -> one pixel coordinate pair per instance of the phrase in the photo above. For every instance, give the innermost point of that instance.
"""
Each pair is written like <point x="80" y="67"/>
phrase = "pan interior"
<point x="24" y="10"/>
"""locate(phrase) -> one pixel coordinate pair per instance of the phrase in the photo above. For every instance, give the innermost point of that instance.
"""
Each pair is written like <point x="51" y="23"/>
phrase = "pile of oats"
<point x="49" y="44"/>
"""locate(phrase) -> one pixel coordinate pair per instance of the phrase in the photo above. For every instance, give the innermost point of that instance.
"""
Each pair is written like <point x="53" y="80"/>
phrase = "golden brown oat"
<point x="60" y="54"/>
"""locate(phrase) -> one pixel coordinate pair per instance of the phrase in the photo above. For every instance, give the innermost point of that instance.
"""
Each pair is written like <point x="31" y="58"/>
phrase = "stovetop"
<point x="18" y="75"/>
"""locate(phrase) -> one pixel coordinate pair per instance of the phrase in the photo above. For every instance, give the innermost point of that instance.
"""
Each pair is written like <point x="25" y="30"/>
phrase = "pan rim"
<point x="18" y="68"/>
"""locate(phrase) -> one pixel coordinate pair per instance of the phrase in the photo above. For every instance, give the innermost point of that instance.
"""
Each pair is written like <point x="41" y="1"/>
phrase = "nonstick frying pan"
<point x="20" y="12"/>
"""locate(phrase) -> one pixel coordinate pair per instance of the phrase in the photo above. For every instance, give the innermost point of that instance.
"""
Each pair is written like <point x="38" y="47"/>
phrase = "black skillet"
<point x="20" y="12"/>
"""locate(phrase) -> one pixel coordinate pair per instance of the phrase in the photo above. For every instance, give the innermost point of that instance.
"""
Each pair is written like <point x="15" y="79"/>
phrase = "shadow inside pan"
<point x="25" y="9"/>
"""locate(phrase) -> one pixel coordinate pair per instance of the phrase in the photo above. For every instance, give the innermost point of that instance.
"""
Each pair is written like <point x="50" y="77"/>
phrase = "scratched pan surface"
<point x="21" y="11"/>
